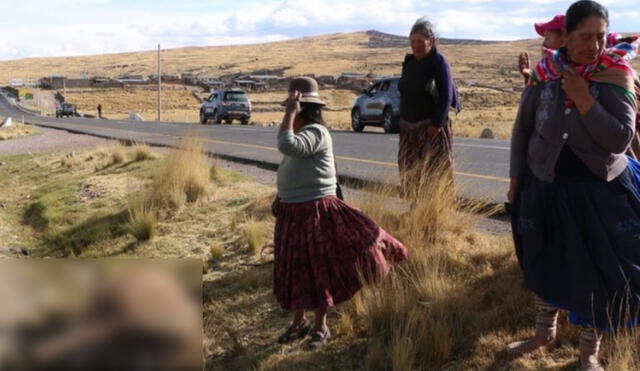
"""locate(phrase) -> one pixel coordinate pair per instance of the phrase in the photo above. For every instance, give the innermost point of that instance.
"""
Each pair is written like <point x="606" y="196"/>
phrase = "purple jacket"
<point x="416" y="101"/>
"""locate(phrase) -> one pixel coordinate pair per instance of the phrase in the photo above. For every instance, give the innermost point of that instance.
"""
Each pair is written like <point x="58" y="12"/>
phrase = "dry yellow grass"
<point x="70" y="160"/>
<point x="17" y="130"/>
<point x="184" y="176"/>
<point x="143" y="221"/>
<point x="178" y="103"/>
<point x="255" y="234"/>
<point x="117" y="153"/>
<point x="453" y="306"/>
<point x="216" y="252"/>
<point x="143" y="152"/>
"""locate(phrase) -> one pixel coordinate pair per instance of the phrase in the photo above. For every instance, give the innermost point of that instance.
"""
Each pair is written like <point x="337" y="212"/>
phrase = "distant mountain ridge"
<point x="379" y="39"/>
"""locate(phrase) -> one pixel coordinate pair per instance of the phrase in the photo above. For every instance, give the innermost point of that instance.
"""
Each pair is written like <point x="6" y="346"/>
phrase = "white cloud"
<point x="71" y="27"/>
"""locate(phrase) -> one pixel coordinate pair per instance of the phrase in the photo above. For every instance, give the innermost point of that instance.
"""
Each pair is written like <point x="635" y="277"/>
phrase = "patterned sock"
<point x="546" y="319"/>
<point x="589" y="341"/>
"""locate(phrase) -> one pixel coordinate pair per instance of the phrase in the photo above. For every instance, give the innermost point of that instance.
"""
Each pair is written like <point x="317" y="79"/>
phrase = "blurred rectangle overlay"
<point x="101" y="314"/>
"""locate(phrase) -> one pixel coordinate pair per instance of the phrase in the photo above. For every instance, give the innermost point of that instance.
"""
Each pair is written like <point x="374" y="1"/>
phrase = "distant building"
<point x="16" y="82"/>
<point x="354" y="80"/>
<point x="133" y="79"/>
<point x="214" y="85"/>
<point x="189" y="78"/>
<point x="327" y="80"/>
<point x="246" y="84"/>
<point x="53" y="82"/>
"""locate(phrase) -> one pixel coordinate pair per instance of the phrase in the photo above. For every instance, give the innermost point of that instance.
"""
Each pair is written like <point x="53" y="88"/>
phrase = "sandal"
<point x="294" y="333"/>
<point x="318" y="339"/>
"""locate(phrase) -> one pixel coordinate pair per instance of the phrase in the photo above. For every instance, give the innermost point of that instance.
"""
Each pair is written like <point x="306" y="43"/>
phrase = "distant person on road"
<point x="99" y="110"/>
<point x="576" y="219"/>
<point x="321" y="243"/>
<point x="552" y="33"/>
<point x="427" y="91"/>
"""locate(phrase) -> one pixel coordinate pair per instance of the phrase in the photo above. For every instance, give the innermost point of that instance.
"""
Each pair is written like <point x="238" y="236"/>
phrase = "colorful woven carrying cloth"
<point x="613" y="67"/>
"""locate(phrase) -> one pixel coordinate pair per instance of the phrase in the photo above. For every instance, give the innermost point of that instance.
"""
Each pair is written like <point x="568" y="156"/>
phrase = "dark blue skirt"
<point x="579" y="246"/>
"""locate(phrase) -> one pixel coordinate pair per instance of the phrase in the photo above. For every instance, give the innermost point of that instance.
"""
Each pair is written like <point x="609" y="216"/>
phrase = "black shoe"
<point x="318" y="339"/>
<point x="294" y="333"/>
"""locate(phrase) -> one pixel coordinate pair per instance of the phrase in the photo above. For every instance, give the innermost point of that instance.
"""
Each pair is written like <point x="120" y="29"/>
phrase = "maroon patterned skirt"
<point x="320" y="248"/>
<point x="419" y="154"/>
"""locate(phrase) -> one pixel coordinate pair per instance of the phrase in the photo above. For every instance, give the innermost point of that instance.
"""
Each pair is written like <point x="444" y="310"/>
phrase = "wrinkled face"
<point x="553" y="39"/>
<point x="420" y="45"/>
<point x="586" y="43"/>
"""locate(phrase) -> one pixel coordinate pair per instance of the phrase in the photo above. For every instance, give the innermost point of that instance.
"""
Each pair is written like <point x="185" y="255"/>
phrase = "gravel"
<point x="48" y="140"/>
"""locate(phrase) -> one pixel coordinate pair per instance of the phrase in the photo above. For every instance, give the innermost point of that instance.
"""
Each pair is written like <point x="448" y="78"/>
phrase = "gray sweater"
<point x="307" y="171"/>
<point x="599" y="138"/>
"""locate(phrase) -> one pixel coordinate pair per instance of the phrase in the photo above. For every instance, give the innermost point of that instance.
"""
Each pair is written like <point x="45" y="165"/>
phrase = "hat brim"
<point x="313" y="100"/>
<point x="557" y="23"/>
<point x="540" y="28"/>
<point x="308" y="100"/>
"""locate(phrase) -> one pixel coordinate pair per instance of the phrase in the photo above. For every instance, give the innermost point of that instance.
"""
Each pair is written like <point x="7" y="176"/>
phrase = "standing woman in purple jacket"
<point x="427" y="91"/>
<point x="576" y="220"/>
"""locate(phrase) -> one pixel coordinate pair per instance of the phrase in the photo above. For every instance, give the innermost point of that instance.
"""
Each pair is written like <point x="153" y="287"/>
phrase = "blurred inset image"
<point x="107" y="314"/>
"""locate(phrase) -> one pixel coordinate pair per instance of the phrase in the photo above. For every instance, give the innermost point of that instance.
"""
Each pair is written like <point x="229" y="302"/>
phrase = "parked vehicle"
<point x="226" y="105"/>
<point x="379" y="105"/>
<point x="65" y="109"/>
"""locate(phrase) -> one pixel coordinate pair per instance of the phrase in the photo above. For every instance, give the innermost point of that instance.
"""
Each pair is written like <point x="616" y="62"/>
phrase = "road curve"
<point x="481" y="165"/>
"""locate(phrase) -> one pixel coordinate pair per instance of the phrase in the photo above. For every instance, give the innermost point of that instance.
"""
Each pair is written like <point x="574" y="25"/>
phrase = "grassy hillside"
<point x="486" y="72"/>
<point x="329" y="54"/>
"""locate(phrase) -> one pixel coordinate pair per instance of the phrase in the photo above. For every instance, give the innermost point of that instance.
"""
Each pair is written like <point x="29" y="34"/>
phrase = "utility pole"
<point x="159" y="86"/>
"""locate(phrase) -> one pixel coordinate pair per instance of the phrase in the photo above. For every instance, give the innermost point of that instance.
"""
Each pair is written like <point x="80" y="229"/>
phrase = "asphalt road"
<point x="481" y="165"/>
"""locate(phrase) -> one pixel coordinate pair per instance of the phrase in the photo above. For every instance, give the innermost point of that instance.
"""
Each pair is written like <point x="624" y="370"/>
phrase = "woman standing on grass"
<point x="321" y="243"/>
<point x="576" y="216"/>
<point x="427" y="91"/>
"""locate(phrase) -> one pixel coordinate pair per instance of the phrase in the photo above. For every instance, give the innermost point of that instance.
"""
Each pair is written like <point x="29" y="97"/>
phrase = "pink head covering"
<point x="557" y="23"/>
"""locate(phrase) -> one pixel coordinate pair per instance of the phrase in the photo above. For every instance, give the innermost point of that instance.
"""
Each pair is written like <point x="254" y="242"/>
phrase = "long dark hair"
<point x="311" y="113"/>
<point x="581" y="10"/>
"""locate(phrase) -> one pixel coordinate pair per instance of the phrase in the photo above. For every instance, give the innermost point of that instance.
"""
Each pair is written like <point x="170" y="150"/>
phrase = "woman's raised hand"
<point x="292" y="104"/>
<point x="524" y="64"/>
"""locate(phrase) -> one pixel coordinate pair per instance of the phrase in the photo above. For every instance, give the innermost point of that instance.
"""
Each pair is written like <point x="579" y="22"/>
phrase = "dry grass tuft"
<point x="214" y="172"/>
<point x="184" y="176"/>
<point x="254" y="235"/>
<point x="143" y="221"/>
<point x="624" y="351"/>
<point x="117" y="153"/>
<point x="16" y="131"/>
<point x="70" y="160"/>
<point x="216" y="252"/>
<point x="426" y="311"/>
<point x="143" y="152"/>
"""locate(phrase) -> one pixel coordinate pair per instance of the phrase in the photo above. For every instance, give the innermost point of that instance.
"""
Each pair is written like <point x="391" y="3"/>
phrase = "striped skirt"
<point x="419" y="155"/>
<point x="322" y="249"/>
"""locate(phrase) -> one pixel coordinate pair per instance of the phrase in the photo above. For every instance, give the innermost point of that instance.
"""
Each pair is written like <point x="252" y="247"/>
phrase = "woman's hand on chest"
<point x="577" y="89"/>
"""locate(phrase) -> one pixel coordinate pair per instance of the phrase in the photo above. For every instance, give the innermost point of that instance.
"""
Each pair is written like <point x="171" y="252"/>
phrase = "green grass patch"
<point x="94" y="230"/>
<point x="238" y="202"/>
<point x="55" y="205"/>
<point x="224" y="177"/>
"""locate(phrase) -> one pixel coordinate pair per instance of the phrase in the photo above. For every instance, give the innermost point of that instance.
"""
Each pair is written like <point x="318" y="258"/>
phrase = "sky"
<point x="44" y="28"/>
